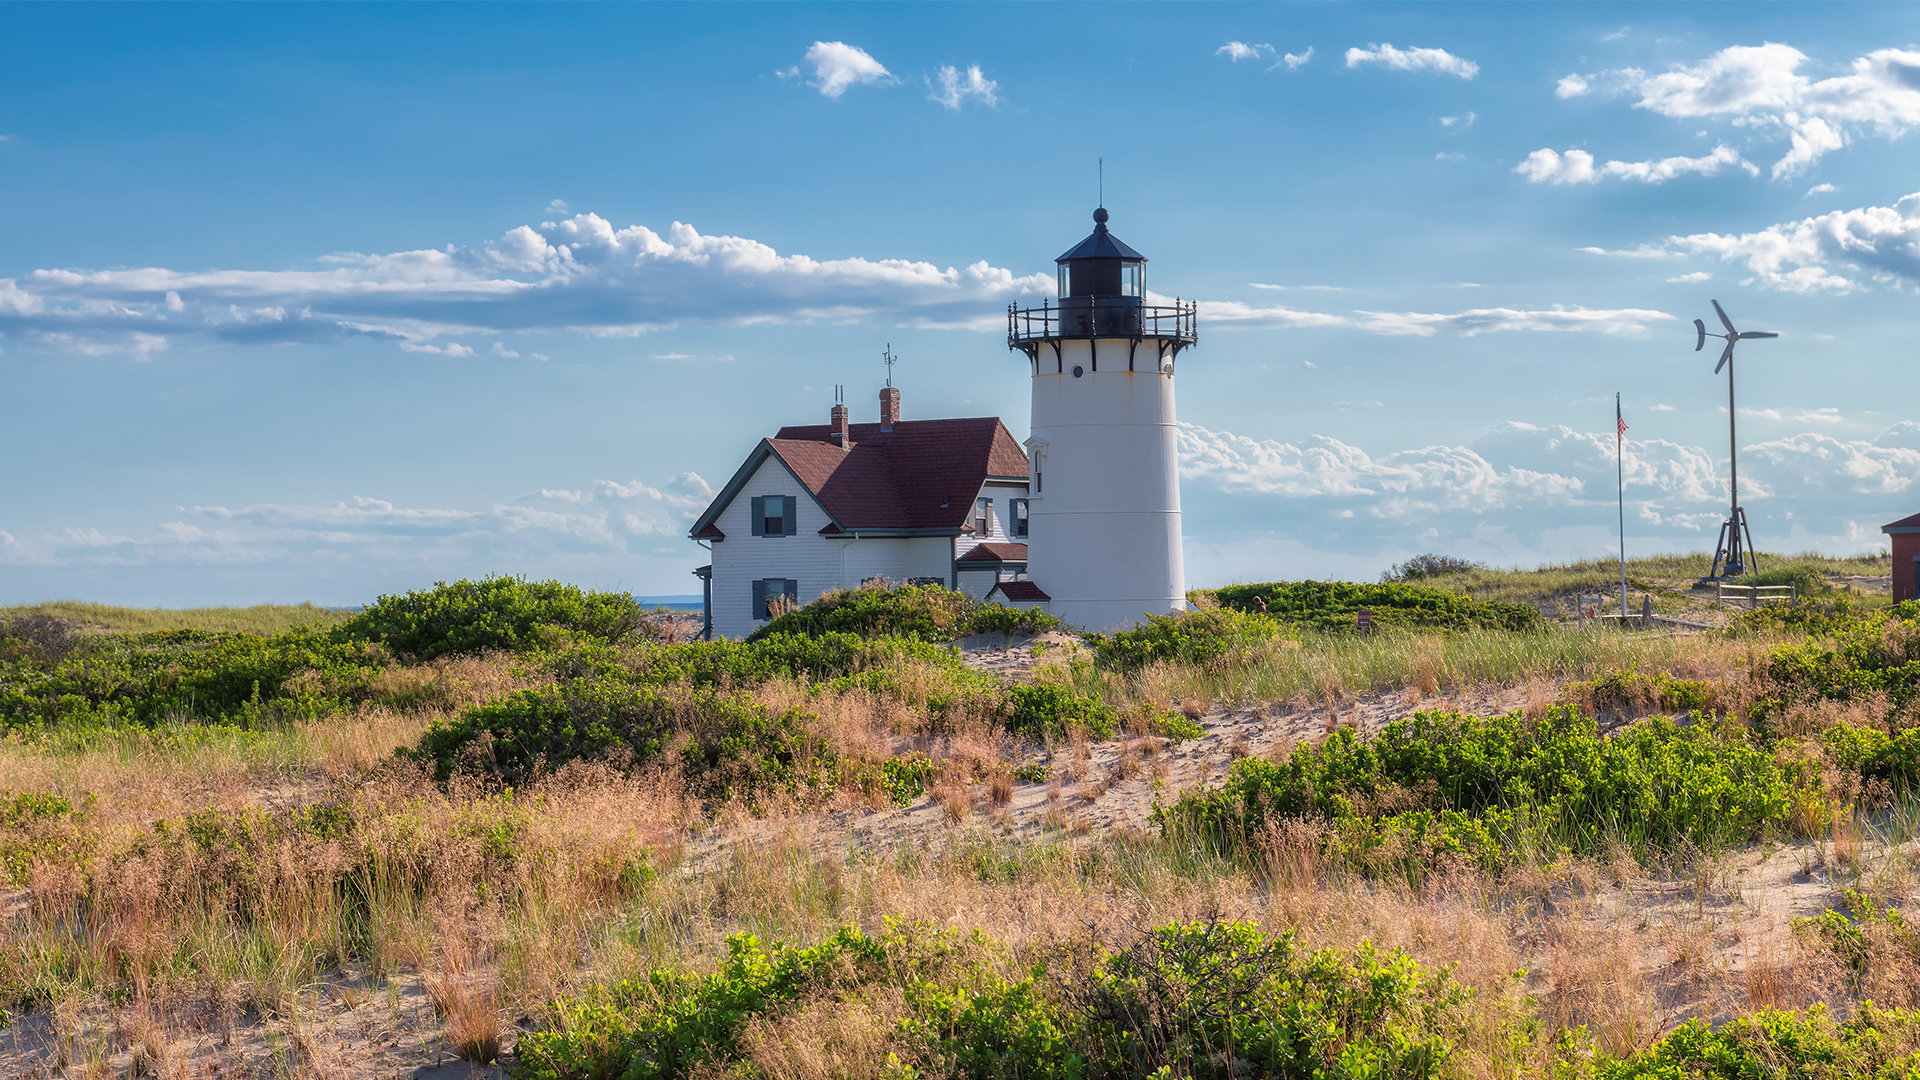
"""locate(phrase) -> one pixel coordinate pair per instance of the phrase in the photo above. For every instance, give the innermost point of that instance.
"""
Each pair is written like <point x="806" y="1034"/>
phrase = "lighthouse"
<point x="1103" y="509"/>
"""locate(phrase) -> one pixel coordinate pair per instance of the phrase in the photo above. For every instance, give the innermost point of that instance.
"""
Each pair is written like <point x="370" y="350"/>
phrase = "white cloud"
<point x="1659" y="408"/>
<point x="500" y="349"/>
<point x="1525" y="492"/>
<point x="1627" y="321"/>
<point x="370" y="532"/>
<point x="451" y="348"/>
<point x="1439" y="61"/>
<point x="1644" y="251"/>
<point x="1446" y="156"/>
<point x="838" y="66"/>
<point x="1463" y="121"/>
<point x="1572" y="86"/>
<point x="1235" y="315"/>
<point x="1819" y="189"/>
<point x="557" y="206"/>
<point x="1819" y="253"/>
<point x="1576" y="167"/>
<point x="1545" y="166"/>
<point x="579" y="275"/>
<point x="1617" y="34"/>
<point x="1760" y="87"/>
<point x="1796" y="416"/>
<point x="956" y="87"/>
<point x="1294" y="60"/>
<point x="1240" y="50"/>
<point x="1689" y="279"/>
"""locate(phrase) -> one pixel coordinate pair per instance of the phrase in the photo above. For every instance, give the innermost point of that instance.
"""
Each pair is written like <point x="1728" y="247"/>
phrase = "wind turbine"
<point x="1727" y="561"/>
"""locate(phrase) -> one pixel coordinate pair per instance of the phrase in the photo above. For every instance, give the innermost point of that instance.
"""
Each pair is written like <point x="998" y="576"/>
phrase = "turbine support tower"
<point x="1734" y="554"/>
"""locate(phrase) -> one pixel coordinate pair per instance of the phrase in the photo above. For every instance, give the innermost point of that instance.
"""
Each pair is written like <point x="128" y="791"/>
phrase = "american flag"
<point x="1621" y="421"/>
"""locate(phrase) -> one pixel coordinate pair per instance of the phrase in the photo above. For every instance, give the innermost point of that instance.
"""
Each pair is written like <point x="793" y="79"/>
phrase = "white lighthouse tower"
<point x="1103" y="529"/>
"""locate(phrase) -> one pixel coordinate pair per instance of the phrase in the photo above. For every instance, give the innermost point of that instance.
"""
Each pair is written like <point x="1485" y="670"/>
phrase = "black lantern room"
<point x="1103" y="294"/>
<point x="1101" y="265"/>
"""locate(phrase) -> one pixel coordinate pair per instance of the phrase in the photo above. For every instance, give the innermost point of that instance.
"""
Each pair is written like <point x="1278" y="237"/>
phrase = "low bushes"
<point x="1194" y="637"/>
<point x="499" y="613"/>
<point x="1333" y="605"/>
<point x="1487" y="790"/>
<point x="925" y="612"/>
<point x="1873" y="1044"/>
<point x="1211" y="1000"/>
<point x="726" y="745"/>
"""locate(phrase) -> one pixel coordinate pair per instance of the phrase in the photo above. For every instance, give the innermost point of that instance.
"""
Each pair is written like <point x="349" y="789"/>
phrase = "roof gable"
<point x="921" y="475"/>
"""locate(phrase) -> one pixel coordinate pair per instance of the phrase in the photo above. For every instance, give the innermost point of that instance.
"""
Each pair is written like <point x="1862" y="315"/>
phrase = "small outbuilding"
<point x="1906" y="557"/>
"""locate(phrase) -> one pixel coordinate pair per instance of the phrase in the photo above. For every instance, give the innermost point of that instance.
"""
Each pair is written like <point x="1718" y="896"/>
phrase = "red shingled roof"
<point x="1905" y="524"/>
<point x="898" y="479"/>
<point x="1018" y="590"/>
<point x="996" y="552"/>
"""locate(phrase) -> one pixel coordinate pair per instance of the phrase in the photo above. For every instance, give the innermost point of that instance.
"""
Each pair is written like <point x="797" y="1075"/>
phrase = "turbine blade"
<point x="1724" y="357"/>
<point x="1724" y="321"/>
<point x="1701" y="329"/>
<point x="1758" y="333"/>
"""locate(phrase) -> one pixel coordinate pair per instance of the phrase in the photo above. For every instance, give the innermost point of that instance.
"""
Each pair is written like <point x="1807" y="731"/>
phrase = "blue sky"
<point x="316" y="302"/>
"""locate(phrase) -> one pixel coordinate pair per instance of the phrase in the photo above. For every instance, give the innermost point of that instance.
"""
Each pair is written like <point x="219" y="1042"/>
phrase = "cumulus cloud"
<point x="1237" y="51"/>
<point x="1689" y="279"/>
<point x="1572" y="86"/>
<point x="1294" y="60"/>
<point x="1527" y="492"/>
<point x="580" y="274"/>
<point x="1819" y="189"/>
<point x="956" y="87"/>
<point x="1760" y="87"/>
<point x="1577" y="167"/>
<point x="1463" y="122"/>
<point x="1438" y="61"/>
<point x="838" y="66"/>
<point x="1829" y="252"/>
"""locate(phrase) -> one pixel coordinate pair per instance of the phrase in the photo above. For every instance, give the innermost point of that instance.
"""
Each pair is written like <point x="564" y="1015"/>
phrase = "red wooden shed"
<point x="1906" y="556"/>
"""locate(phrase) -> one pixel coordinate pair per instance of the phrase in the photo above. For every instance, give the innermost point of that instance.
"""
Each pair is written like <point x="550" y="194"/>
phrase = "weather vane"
<point x="1727" y="561"/>
<point x="889" y="358"/>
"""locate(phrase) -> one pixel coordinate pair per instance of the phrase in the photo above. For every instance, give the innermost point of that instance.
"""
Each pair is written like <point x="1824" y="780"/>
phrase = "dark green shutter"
<point x="759" y="597"/>
<point x="759" y="518"/>
<point x="788" y="511"/>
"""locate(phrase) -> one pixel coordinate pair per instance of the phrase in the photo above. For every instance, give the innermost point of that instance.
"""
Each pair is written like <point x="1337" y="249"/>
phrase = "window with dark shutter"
<point x="774" y="515"/>
<point x="1017" y="515"/>
<point x="983" y="519"/>
<point x="759" y="513"/>
<point x="759" y="597"/>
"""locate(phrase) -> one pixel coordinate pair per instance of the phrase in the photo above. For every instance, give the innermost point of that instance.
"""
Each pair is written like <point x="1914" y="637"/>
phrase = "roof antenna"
<point x="1103" y="180"/>
<point x="890" y="358"/>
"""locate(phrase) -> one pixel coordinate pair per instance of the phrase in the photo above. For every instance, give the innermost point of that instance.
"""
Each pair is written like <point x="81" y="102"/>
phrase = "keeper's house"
<point x="1906" y="557"/>
<point x="829" y="506"/>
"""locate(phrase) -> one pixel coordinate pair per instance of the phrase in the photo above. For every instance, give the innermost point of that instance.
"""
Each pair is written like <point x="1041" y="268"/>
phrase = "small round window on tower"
<point x="1078" y="371"/>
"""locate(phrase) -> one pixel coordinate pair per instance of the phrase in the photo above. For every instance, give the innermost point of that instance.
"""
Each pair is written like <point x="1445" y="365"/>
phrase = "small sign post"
<point x="1363" y="621"/>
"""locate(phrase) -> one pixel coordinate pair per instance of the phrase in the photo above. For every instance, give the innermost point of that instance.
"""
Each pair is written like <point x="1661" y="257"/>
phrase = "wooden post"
<point x="1719" y="594"/>
<point x="1646" y="612"/>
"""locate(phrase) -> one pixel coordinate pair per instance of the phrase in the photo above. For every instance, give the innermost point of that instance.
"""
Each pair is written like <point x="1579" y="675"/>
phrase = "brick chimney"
<point x="842" y="438"/>
<point x="889" y="408"/>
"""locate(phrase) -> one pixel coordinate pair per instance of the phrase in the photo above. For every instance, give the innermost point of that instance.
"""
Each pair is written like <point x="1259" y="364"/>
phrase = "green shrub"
<point x="1631" y="690"/>
<point x="1507" y="782"/>
<point x="1334" y="605"/>
<point x="726" y="744"/>
<point x="1194" y="637"/>
<point x="1429" y="565"/>
<point x="1873" y="931"/>
<point x="925" y="612"/>
<point x="1042" y="709"/>
<point x="494" y="613"/>
<point x="1212" y="1000"/>
<point x="1873" y="653"/>
<point x="1873" y="1044"/>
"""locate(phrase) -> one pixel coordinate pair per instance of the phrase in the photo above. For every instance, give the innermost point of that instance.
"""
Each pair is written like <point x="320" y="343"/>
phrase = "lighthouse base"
<point x="1107" y="616"/>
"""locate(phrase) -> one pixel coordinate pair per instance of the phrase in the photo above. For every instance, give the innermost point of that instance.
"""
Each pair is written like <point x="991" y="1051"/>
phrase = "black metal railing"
<point x="1103" y="316"/>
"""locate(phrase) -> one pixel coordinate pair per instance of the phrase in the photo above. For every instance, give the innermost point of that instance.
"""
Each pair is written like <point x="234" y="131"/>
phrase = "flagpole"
<point x="1620" y="477"/>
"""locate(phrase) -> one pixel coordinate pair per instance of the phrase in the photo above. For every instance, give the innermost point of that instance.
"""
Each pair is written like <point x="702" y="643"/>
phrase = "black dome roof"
<point x="1101" y="244"/>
